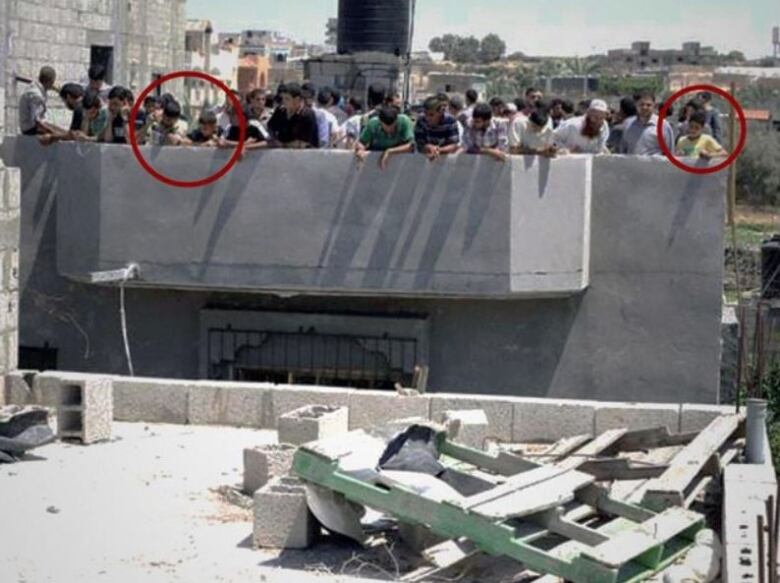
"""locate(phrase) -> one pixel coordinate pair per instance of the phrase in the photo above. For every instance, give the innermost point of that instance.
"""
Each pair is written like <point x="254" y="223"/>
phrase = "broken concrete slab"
<point x="263" y="463"/>
<point x="635" y="416"/>
<point x="231" y="404"/>
<point x="19" y="387"/>
<point x="313" y="423"/>
<point x="370" y="409"/>
<point x="499" y="411"/>
<point x="283" y="399"/>
<point x="282" y="519"/>
<point x="469" y="428"/>
<point x="548" y="420"/>
<point x="151" y="400"/>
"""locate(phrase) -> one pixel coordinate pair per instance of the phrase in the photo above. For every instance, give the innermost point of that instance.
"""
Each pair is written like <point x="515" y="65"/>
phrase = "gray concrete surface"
<point x="282" y="516"/>
<point x="646" y="329"/>
<point x="312" y="423"/>
<point x="465" y="227"/>
<point x="263" y="463"/>
<point x="139" y="508"/>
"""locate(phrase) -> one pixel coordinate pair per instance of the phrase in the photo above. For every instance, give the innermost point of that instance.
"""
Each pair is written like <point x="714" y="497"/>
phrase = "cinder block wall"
<point x="10" y="185"/>
<point x="147" y="36"/>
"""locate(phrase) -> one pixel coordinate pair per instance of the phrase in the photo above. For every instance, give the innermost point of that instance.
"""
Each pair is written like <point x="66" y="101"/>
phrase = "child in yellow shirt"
<point x="697" y="144"/>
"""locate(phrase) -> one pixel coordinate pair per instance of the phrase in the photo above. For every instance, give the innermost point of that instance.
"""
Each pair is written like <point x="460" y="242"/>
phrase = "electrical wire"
<point x="123" y="319"/>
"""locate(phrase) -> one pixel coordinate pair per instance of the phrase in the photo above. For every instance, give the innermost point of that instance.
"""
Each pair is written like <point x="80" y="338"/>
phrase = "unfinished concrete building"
<point x="579" y="277"/>
<point x="136" y="40"/>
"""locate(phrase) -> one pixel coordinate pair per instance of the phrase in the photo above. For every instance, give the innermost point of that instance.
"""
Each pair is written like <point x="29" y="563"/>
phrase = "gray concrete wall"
<point x="10" y="186"/>
<point x="646" y="329"/>
<point x="466" y="227"/>
<point x="147" y="36"/>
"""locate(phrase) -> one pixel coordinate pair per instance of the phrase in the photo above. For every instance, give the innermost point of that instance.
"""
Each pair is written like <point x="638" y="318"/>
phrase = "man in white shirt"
<point x="32" y="105"/>
<point x="533" y="135"/>
<point x="587" y="134"/>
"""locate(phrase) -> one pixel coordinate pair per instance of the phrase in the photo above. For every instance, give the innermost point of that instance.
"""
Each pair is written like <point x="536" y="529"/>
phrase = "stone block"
<point x="12" y="345"/>
<point x="286" y="398"/>
<point x="46" y="388"/>
<point x="264" y="463"/>
<point x="499" y="411"/>
<point x="85" y="408"/>
<point x="11" y="270"/>
<point x="548" y="420"/>
<point x="282" y="518"/>
<point x="19" y="387"/>
<point x="635" y="416"/>
<point x="697" y="417"/>
<point x="232" y="404"/>
<point x="151" y="400"/>
<point x="313" y="423"/>
<point x="370" y="409"/>
<point x="468" y="428"/>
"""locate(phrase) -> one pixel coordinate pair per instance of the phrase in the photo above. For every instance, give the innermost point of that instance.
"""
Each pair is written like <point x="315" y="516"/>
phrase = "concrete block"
<point x="697" y="417"/>
<point x="282" y="517"/>
<point x="548" y="420"/>
<point x="85" y="408"/>
<point x="499" y="411"/>
<point x="264" y="463"/>
<point x="46" y="388"/>
<point x="13" y="188"/>
<point x="11" y="269"/>
<point x="19" y="387"/>
<point x="369" y="409"/>
<point x="231" y="404"/>
<point x="635" y="416"/>
<point x="469" y="428"/>
<point x="313" y="423"/>
<point x="286" y="398"/>
<point x="12" y="345"/>
<point x="151" y="400"/>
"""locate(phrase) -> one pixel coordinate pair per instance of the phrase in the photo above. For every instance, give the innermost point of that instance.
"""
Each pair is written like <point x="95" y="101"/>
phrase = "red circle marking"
<point x="742" y="126"/>
<point x="191" y="183"/>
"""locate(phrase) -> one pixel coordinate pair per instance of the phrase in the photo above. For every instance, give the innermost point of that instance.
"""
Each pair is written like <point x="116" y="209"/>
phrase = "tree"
<point x="444" y="44"/>
<point x="491" y="49"/>
<point x="466" y="50"/>
<point x="736" y="56"/>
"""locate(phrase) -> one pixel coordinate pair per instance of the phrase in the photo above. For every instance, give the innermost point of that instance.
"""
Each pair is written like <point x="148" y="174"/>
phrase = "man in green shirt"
<point x="390" y="133"/>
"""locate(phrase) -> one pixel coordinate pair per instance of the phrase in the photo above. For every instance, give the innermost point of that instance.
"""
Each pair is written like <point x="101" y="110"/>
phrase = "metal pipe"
<point x="772" y="550"/>
<point x="756" y="431"/>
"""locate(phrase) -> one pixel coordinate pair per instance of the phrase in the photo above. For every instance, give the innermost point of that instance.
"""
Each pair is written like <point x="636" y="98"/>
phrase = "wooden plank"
<point x="534" y="498"/>
<point x="591" y="450"/>
<point x="554" y="521"/>
<point x="504" y="464"/>
<point x="518" y="482"/>
<point x="670" y="489"/>
<point x="562" y="448"/>
<point x="644" y="542"/>
<point x="642" y="439"/>
<point x="443" y="557"/>
<point x="621" y="469"/>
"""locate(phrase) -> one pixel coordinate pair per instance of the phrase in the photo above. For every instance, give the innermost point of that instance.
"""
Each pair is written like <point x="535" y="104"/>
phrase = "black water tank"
<point x="770" y="268"/>
<point x="374" y="25"/>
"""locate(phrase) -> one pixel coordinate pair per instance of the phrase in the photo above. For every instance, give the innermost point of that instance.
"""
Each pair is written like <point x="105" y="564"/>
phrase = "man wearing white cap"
<point x="640" y="136"/>
<point x="586" y="134"/>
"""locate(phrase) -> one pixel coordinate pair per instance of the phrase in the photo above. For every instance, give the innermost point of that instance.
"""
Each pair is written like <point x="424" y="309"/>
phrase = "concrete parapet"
<point x="551" y="419"/>
<point x="499" y="411"/>
<point x="85" y="408"/>
<point x="282" y="517"/>
<point x="264" y="463"/>
<point x="469" y="428"/>
<point x="312" y="423"/>
<point x="697" y="417"/>
<point x="233" y="404"/>
<point x="635" y="416"/>
<point x="369" y="409"/>
<point x="151" y="400"/>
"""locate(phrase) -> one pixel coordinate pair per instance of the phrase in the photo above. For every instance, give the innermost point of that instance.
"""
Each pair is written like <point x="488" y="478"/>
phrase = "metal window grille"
<point x="308" y="357"/>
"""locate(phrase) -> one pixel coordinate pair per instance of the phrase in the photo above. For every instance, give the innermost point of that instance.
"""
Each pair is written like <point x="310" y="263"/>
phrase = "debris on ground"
<point x="583" y="508"/>
<point x="22" y="429"/>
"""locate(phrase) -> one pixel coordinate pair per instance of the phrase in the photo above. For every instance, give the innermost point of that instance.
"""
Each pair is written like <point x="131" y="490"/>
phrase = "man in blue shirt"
<point x="436" y="132"/>
<point x="640" y="137"/>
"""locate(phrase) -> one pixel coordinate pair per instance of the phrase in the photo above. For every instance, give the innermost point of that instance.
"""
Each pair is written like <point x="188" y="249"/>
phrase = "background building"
<point x="137" y="41"/>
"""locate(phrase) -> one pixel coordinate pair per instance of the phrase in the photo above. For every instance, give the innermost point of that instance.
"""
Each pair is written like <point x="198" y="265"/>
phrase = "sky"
<point x="535" y="27"/>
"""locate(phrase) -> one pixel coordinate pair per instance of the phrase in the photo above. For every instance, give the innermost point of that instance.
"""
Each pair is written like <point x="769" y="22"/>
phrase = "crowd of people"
<point x="303" y="116"/>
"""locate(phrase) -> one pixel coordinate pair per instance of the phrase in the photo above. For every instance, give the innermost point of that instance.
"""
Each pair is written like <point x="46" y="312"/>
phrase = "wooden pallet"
<point x="511" y="517"/>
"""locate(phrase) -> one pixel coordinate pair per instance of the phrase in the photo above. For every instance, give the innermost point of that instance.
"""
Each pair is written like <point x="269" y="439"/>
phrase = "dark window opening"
<point x="104" y="56"/>
<point x="37" y="358"/>
<point x="308" y="357"/>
